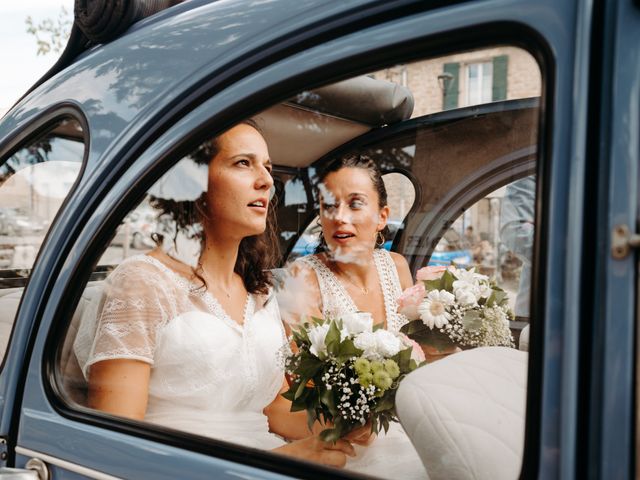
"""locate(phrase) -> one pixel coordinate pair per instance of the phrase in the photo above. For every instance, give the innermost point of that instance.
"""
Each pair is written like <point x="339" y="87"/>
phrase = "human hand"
<point x="362" y="435"/>
<point x="313" y="449"/>
<point x="432" y="353"/>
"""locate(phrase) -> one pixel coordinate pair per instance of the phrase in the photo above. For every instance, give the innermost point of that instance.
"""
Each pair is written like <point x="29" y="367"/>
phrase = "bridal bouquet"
<point x="346" y="373"/>
<point x="451" y="307"/>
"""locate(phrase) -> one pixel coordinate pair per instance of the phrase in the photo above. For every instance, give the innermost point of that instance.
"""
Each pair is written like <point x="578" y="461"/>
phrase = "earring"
<point x="379" y="239"/>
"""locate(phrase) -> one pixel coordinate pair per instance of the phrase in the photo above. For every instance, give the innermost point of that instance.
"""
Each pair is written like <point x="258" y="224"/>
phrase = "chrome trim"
<point x="72" y="467"/>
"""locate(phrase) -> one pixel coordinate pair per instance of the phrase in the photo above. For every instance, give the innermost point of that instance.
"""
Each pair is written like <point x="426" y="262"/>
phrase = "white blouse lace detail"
<point x="206" y="369"/>
<point x="336" y="301"/>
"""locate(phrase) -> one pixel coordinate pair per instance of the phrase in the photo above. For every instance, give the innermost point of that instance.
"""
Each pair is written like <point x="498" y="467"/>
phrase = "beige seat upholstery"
<point x="73" y="382"/>
<point x="523" y="343"/>
<point x="71" y="376"/>
<point x="9" y="301"/>
<point x="465" y="413"/>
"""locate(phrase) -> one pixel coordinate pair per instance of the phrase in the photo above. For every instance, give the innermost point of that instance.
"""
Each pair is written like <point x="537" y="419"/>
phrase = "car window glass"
<point x="34" y="182"/>
<point x="401" y="196"/>
<point x="451" y="136"/>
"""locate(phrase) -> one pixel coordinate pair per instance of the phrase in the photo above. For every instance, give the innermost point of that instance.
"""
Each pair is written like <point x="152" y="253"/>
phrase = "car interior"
<point x="447" y="162"/>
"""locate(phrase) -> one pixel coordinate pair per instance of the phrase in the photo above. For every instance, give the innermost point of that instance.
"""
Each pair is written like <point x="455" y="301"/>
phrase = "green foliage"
<point x="418" y="331"/>
<point x="308" y="390"/>
<point x="51" y="34"/>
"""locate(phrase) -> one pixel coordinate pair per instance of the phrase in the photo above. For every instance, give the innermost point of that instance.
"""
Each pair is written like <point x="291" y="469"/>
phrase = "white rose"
<point x="316" y="336"/>
<point x="367" y="342"/>
<point x="484" y="290"/>
<point x="464" y="285"/>
<point x="466" y="297"/>
<point x="358" y="322"/>
<point x="388" y="344"/>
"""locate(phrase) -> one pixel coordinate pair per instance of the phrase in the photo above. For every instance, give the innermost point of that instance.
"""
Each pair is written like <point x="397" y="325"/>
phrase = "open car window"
<point x="452" y="137"/>
<point x="35" y="179"/>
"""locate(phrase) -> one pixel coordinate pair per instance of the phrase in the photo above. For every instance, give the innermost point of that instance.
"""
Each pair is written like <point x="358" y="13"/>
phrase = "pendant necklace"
<point x="362" y="288"/>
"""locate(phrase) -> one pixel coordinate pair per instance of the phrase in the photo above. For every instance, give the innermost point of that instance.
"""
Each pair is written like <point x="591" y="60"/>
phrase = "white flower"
<point x="316" y="336"/>
<point x="484" y="290"/>
<point x="388" y="344"/>
<point x="367" y="342"/>
<point x="470" y="276"/>
<point x="466" y="297"/>
<point x="433" y="310"/>
<point x="344" y="333"/>
<point x="357" y="322"/>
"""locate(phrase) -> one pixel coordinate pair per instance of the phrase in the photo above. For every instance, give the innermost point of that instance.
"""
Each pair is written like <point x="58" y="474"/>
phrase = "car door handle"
<point x="35" y="469"/>
<point x="622" y="241"/>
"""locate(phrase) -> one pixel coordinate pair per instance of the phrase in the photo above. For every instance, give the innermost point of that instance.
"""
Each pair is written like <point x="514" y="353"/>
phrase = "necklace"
<point x="362" y="288"/>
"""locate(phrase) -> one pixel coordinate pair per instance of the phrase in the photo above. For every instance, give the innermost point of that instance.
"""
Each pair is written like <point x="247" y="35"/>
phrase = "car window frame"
<point x="37" y="127"/>
<point x="161" y="166"/>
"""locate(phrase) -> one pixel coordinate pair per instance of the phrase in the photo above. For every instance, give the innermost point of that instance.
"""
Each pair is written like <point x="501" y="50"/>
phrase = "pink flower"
<point x="409" y="301"/>
<point x="416" y="350"/>
<point x="430" y="273"/>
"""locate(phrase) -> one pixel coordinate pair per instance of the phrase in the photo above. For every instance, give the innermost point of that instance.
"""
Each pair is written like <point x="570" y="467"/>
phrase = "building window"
<point x="479" y="83"/>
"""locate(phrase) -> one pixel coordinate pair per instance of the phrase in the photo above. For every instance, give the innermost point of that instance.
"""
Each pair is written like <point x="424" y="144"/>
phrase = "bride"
<point x="195" y="348"/>
<point x="350" y="273"/>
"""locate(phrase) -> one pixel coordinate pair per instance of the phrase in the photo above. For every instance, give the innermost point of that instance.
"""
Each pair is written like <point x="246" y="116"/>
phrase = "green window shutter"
<point x="450" y="97"/>
<point x="500" y="77"/>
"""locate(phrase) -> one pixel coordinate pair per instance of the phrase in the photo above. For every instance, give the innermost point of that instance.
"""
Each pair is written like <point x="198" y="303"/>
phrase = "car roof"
<point x="128" y="79"/>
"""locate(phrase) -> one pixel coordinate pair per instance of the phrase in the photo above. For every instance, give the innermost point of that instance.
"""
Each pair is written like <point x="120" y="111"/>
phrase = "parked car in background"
<point x="14" y="222"/>
<point x="136" y="229"/>
<point x="431" y="91"/>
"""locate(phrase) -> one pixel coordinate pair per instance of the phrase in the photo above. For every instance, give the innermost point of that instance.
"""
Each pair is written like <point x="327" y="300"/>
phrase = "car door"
<point x="611" y="217"/>
<point x="303" y="47"/>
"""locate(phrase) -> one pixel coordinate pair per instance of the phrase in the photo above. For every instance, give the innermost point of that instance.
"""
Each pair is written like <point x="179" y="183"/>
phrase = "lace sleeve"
<point x="122" y="322"/>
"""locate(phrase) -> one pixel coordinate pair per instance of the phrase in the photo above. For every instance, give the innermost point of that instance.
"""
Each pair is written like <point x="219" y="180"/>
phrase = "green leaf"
<point x="402" y="358"/>
<point x="327" y="399"/>
<point x="311" y="418"/>
<point x="472" y="321"/>
<point x="309" y="366"/>
<point x="347" y="350"/>
<point x="300" y="336"/>
<point x="447" y="280"/>
<point x="433" y="284"/>
<point x="497" y="297"/>
<point x="330" y="435"/>
<point x="385" y="424"/>
<point x="414" y="327"/>
<point x="332" y="340"/>
<point x="300" y="389"/>
<point x="289" y="394"/>
<point x="385" y="403"/>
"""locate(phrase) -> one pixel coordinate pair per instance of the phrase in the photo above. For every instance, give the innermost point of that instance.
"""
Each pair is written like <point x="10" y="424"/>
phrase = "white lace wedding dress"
<point x="391" y="455"/>
<point x="209" y="375"/>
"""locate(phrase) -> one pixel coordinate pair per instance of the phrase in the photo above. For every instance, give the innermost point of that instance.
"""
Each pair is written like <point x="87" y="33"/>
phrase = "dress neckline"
<point x="212" y="303"/>
<point x="378" y="261"/>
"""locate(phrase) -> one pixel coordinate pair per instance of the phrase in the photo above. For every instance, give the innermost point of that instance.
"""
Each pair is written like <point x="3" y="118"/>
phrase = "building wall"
<point x="523" y="77"/>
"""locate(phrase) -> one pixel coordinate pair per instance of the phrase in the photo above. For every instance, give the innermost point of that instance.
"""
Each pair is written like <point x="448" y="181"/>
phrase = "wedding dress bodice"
<point x="209" y="374"/>
<point x="391" y="455"/>
<point x="336" y="301"/>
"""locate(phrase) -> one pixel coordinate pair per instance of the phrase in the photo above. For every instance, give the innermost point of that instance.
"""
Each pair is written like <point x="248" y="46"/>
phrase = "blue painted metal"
<point x="620" y="161"/>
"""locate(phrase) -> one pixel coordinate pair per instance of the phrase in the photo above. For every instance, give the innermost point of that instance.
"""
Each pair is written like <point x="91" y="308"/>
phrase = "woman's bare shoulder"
<point x="402" y="266"/>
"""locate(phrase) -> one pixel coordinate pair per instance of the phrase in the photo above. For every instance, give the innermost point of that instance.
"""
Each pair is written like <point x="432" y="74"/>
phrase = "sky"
<point x="20" y="65"/>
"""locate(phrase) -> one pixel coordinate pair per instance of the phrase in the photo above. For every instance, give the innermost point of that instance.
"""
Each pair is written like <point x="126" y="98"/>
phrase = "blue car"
<point x="458" y="102"/>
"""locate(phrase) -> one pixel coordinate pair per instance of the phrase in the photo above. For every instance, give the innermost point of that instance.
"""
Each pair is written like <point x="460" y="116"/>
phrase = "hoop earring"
<point x="379" y="239"/>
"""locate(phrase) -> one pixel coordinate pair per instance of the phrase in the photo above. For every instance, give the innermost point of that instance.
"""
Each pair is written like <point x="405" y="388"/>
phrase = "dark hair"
<point x="257" y="254"/>
<point x="354" y="160"/>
